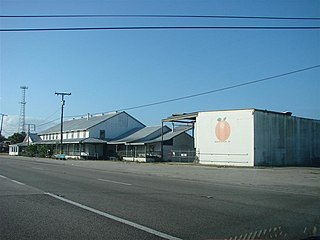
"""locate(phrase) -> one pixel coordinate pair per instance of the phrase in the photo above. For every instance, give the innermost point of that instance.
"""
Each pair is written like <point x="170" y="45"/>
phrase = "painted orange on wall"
<point x="222" y="129"/>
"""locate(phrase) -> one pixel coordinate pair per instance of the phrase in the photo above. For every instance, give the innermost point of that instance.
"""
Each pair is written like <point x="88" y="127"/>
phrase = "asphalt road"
<point x="50" y="199"/>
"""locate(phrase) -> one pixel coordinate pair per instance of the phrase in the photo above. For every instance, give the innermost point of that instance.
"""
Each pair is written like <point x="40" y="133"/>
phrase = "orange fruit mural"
<point x="222" y="129"/>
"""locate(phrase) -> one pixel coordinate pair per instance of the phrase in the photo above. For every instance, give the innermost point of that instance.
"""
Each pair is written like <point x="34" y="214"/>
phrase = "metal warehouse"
<point x="253" y="137"/>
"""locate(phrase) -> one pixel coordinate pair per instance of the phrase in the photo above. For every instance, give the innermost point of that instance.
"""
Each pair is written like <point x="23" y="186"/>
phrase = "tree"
<point x="2" y="138"/>
<point x="17" y="138"/>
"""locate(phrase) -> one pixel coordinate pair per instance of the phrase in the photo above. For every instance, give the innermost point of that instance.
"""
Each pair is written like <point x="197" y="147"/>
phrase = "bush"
<point x="30" y="151"/>
<point x="36" y="151"/>
<point x="42" y="151"/>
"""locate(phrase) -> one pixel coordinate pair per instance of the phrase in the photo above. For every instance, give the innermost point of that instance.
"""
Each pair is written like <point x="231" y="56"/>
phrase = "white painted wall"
<point x="14" y="150"/>
<point x="236" y="150"/>
<point x="115" y="126"/>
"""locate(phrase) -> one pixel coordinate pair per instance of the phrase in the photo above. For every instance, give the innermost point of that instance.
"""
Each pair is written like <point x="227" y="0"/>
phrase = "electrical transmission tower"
<point x="22" y="119"/>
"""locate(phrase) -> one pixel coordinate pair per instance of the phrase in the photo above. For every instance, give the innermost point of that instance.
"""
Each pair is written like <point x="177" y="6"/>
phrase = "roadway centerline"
<point x="115" y="218"/>
<point x="3" y="177"/>
<point x="122" y="183"/>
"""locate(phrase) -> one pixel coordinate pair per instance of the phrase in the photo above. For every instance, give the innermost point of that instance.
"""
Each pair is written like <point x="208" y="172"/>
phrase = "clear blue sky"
<point x="109" y="70"/>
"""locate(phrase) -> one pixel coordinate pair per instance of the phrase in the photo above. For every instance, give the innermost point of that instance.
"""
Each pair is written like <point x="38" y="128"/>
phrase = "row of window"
<point x="14" y="149"/>
<point x="67" y="135"/>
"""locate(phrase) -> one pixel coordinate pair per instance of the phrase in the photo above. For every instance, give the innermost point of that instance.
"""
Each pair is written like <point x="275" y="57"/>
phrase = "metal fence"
<point x="139" y="154"/>
<point x="182" y="155"/>
<point x="172" y="155"/>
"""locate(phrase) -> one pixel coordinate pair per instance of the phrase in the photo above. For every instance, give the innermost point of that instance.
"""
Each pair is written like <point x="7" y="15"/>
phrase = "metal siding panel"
<point x="282" y="140"/>
<point x="269" y="141"/>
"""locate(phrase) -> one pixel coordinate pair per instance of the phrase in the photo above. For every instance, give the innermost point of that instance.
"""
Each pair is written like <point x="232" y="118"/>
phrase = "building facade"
<point x="115" y="135"/>
<point x="87" y="137"/>
<point x="253" y="137"/>
<point x="155" y="143"/>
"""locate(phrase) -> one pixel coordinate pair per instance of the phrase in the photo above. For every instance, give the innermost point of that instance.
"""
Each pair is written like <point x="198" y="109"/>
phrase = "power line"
<point x="51" y="115"/>
<point x="202" y="93"/>
<point x="219" y="89"/>
<point x="158" y="16"/>
<point x="46" y="123"/>
<point x="163" y="28"/>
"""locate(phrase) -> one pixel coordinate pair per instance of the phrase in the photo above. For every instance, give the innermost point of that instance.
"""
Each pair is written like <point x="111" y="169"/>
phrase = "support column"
<point x="162" y="140"/>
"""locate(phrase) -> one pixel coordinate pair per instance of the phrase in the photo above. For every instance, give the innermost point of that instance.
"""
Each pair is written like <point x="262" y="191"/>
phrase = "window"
<point x="102" y="134"/>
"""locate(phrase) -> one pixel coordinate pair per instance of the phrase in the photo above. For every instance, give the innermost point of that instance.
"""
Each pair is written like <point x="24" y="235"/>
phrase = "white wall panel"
<point x="225" y="137"/>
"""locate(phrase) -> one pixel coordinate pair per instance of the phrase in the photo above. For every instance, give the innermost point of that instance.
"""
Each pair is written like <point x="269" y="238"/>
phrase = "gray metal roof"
<point x="144" y="134"/>
<point x="33" y="136"/>
<point x="93" y="140"/>
<point x="151" y="135"/>
<point x="181" y="117"/>
<point x="80" y="123"/>
<point x="170" y="135"/>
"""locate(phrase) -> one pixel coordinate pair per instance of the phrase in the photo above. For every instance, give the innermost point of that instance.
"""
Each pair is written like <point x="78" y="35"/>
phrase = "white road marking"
<point x="17" y="182"/>
<point x="123" y="183"/>
<point x="121" y="220"/>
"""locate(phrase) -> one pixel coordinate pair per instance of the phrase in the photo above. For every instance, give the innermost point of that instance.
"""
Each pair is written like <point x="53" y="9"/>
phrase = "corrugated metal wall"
<point x="283" y="140"/>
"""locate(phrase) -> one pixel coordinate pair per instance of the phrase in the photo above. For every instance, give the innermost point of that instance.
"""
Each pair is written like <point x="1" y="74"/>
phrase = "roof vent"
<point x="287" y="113"/>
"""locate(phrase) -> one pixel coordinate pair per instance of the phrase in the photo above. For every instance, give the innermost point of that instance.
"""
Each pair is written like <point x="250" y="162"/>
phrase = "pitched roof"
<point x="181" y="117"/>
<point x="83" y="123"/>
<point x="170" y="135"/>
<point x="150" y="135"/>
<point x="34" y="137"/>
<point x="143" y="134"/>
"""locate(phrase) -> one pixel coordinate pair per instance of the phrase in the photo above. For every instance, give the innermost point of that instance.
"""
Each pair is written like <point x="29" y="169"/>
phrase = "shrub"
<point x="36" y="151"/>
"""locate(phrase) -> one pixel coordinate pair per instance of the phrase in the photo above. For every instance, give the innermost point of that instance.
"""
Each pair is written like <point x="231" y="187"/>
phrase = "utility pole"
<point x="29" y="128"/>
<point x="2" y="116"/>
<point x="62" y="94"/>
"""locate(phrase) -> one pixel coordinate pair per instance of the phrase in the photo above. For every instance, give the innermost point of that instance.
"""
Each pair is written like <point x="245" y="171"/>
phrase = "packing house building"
<point x="252" y="137"/>
<point x="117" y="136"/>
<point x="87" y="137"/>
